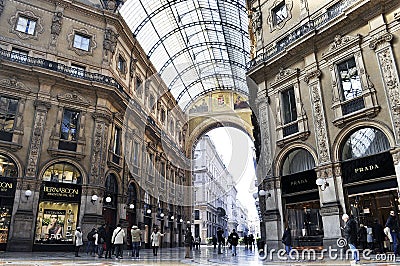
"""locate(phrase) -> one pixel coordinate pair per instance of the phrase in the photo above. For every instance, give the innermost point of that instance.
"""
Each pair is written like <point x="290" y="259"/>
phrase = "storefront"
<point x="58" y="208"/>
<point x="8" y="184"/>
<point x="110" y="201"/>
<point x="300" y="199"/>
<point x="369" y="177"/>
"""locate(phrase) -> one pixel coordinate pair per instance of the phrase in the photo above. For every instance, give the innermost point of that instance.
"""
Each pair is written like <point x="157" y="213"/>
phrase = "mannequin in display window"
<point x="54" y="228"/>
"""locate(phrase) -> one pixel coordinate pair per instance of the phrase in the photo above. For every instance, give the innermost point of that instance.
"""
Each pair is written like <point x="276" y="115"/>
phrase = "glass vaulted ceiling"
<point x="196" y="45"/>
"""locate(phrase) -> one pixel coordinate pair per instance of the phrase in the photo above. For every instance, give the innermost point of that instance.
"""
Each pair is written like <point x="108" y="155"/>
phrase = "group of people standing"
<point x="373" y="237"/>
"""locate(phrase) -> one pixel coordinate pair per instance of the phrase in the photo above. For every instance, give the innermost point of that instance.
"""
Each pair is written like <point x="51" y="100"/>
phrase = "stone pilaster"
<point x="42" y="108"/>
<point x="381" y="44"/>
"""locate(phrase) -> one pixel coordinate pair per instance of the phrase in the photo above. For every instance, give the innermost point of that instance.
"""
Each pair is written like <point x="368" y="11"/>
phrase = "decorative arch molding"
<point x="15" y="159"/>
<point x="288" y="149"/>
<point x="117" y="176"/>
<point x="85" y="179"/>
<point x="215" y="122"/>
<point x="358" y="125"/>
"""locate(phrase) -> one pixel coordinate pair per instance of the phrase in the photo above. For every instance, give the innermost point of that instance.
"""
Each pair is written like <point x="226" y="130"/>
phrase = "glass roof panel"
<point x="195" y="45"/>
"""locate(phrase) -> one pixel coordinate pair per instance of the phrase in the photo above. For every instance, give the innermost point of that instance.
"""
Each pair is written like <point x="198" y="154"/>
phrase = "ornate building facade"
<point x="214" y="192"/>
<point x="328" y="113"/>
<point x="89" y="133"/>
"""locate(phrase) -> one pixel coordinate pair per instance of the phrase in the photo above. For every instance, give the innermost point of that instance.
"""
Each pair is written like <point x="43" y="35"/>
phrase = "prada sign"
<point x="299" y="182"/>
<point x="378" y="165"/>
<point x="55" y="191"/>
<point x="7" y="186"/>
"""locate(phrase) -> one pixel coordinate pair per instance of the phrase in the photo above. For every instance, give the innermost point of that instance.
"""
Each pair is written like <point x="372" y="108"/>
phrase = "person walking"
<point x="287" y="240"/>
<point x="101" y="238"/>
<point x="197" y="242"/>
<point x="214" y="241"/>
<point x="78" y="241"/>
<point x="90" y="242"/>
<point x="155" y="240"/>
<point x="109" y="233"/>
<point x="118" y="241"/>
<point x="350" y="233"/>
<point x="136" y="235"/>
<point x="378" y="235"/>
<point x="362" y="237"/>
<point x="188" y="243"/>
<point x="220" y="238"/>
<point x="234" y="239"/>
<point x="393" y="225"/>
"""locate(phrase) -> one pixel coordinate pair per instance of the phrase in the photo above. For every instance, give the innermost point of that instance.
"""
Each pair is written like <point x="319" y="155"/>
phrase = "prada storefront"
<point x="300" y="199"/>
<point x="8" y="183"/>
<point x="60" y="197"/>
<point x="369" y="176"/>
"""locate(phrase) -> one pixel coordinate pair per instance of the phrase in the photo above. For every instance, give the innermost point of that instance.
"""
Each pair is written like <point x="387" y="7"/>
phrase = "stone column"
<point x="330" y="205"/>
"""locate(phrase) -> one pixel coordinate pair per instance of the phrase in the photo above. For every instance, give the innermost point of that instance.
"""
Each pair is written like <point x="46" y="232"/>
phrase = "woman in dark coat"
<point x="287" y="240"/>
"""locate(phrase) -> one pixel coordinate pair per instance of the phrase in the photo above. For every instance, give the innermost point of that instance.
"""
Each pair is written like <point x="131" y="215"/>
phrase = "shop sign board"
<point x="299" y="182"/>
<point x="7" y="187"/>
<point x="54" y="191"/>
<point x="370" y="167"/>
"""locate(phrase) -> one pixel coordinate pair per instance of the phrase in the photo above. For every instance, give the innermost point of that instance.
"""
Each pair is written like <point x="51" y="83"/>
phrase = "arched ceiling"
<point x="196" y="45"/>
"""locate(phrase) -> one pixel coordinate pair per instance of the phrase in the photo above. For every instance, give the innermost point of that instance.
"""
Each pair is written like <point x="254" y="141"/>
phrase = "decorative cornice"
<point x="73" y="98"/>
<point x="102" y="116"/>
<point x="39" y="103"/>
<point x="13" y="84"/>
<point x="311" y="75"/>
<point x="374" y="42"/>
<point x="284" y="75"/>
<point x="340" y="43"/>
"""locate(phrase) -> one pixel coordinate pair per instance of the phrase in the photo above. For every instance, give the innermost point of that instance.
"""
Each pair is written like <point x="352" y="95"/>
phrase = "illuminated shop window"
<point x="56" y="223"/>
<point x="64" y="173"/>
<point x="7" y="167"/>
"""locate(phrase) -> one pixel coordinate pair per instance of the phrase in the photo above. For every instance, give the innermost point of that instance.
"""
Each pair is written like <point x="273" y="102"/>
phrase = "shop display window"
<point x="62" y="172"/>
<point x="5" y="219"/>
<point x="7" y="167"/>
<point x="56" y="223"/>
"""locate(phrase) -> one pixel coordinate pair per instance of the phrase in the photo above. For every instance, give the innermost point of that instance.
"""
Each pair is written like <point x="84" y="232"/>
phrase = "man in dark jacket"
<point x="287" y="240"/>
<point x="234" y="238"/>
<point x="350" y="233"/>
<point x="220" y="237"/>
<point x="362" y="237"/>
<point x="393" y="225"/>
<point x="378" y="235"/>
<point x="188" y="243"/>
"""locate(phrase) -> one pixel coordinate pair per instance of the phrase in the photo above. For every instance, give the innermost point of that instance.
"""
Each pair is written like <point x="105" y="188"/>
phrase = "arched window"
<point x="132" y="193"/>
<point x="111" y="191"/>
<point x="299" y="160"/>
<point x="63" y="172"/>
<point x="364" y="142"/>
<point x="8" y="168"/>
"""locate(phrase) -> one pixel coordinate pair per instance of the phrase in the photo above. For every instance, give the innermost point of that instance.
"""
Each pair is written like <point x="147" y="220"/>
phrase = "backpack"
<point x="90" y="236"/>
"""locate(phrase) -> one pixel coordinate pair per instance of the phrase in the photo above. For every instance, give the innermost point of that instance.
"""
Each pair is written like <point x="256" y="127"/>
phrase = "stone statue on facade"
<point x="256" y="22"/>
<point x="56" y="23"/>
<point x="110" y="41"/>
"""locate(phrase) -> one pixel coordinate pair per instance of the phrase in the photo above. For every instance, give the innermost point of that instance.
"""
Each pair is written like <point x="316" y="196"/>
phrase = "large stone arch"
<point x="357" y="125"/>
<point x="15" y="160"/>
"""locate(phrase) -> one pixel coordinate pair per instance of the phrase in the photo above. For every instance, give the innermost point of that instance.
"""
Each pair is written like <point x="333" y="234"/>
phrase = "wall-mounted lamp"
<point x="94" y="199"/>
<point x="162" y="215"/>
<point x="108" y="199"/>
<point x="148" y="211"/>
<point x="322" y="183"/>
<point x="255" y="195"/>
<point x="131" y="206"/>
<point x="172" y="217"/>
<point x="181" y="220"/>
<point x="262" y="192"/>
<point x="188" y="222"/>
<point x="28" y="193"/>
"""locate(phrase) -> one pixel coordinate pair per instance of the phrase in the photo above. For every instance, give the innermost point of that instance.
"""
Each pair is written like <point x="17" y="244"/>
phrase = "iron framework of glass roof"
<point x="197" y="46"/>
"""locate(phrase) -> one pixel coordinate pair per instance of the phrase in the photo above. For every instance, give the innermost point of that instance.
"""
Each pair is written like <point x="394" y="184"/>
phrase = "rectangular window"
<point x="150" y="165"/>
<point x="117" y="141"/>
<point x="349" y="79"/>
<point x="19" y="55"/>
<point x="26" y="25"/>
<point x="289" y="106"/>
<point x="8" y="112"/>
<point x="279" y="13"/>
<point x="69" y="125"/>
<point x="162" y="116"/>
<point x="121" y="65"/>
<point x="77" y="70"/>
<point x="135" y="155"/>
<point x="81" y="42"/>
<point x="138" y="87"/>
<point x="197" y="214"/>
